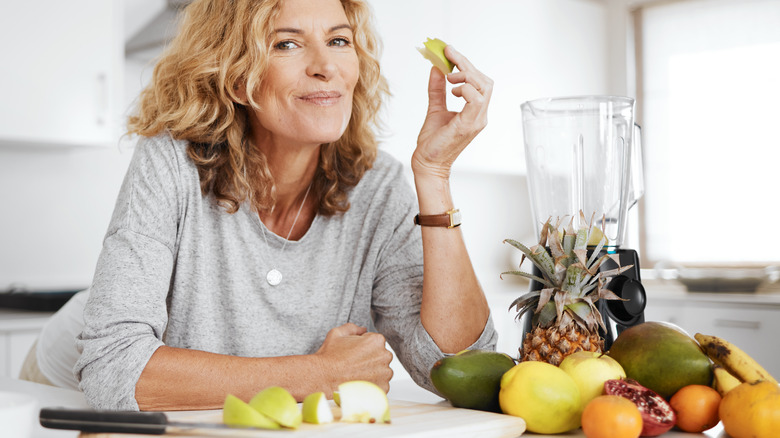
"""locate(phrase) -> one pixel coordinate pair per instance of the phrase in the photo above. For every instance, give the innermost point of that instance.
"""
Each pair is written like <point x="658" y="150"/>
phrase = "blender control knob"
<point x="631" y="311"/>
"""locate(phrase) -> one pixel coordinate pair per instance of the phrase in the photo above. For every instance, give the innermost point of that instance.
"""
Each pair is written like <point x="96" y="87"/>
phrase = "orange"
<point x="696" y="407"/>
<point x="752" y="410"/>
<point x="611" y="416"/>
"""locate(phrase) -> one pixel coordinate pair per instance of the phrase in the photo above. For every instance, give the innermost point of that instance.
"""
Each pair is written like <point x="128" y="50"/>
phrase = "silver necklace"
<point x="274" y="276"/>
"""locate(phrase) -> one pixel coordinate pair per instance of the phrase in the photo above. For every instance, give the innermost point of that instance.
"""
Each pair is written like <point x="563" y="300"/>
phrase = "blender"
<point x="583" y="154"/>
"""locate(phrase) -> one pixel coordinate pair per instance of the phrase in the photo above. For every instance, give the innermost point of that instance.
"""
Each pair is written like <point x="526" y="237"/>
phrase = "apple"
<point x="363" y="402"/>
<point x="434" y="52"/>
<point x="590" y="370"/>
<point x="278" y="404"/>
<point x="336" y="398"/>
<point x="237" y="413"/>
<point x="316" y="409"/>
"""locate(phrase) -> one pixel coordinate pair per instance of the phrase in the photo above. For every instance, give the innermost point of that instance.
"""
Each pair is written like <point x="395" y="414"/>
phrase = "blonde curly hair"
<point x="222" y="45"/>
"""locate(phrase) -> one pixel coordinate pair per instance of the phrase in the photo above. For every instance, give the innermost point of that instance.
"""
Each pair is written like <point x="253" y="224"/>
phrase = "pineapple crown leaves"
<point x="569" y="277"/>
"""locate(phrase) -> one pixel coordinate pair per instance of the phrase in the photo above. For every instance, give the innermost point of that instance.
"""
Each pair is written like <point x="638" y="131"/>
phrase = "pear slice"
<point x="434" y="52"/>
<point x="316" y="409"/>
<point x="363" y="402"/>
<point x="237" y="413"/>
<point x="278" y="404"/>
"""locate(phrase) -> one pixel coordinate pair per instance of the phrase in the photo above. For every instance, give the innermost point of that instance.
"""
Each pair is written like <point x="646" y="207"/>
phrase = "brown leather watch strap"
<point x="450" y="219"/>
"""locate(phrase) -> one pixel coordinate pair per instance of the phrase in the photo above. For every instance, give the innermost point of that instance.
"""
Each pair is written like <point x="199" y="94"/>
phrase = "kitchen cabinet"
<point x="749" y="320"/>
<point x="18" y="331"/>
<point x="61" y="79"/>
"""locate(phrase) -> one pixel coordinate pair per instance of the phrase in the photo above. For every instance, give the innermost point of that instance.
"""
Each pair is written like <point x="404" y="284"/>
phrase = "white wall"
<point x="530" y="48"/>
<point x="56" y="203"/>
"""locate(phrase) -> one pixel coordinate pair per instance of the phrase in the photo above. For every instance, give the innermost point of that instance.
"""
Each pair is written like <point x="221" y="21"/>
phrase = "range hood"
<point x="157" y="31"/>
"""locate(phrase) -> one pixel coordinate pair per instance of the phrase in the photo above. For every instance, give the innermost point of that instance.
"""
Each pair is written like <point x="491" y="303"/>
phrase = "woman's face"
<point x="306" y="96"/>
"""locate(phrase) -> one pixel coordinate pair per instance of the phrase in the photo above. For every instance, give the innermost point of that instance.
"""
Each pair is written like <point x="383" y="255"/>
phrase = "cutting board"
<point x="409" y="419"/>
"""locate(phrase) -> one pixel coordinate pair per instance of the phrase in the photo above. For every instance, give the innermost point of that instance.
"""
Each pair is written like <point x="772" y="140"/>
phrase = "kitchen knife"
<point x="148" y="423"/>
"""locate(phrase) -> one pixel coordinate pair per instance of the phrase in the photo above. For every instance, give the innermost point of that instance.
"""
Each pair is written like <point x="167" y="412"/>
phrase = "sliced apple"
<point x="278" y="404"/>
<point x="316" y="409"/>
<point x="363" y="402"/>
<point x="337" y="398"/>
<point x="434" y="52"/>
<point x="237" y="413"/>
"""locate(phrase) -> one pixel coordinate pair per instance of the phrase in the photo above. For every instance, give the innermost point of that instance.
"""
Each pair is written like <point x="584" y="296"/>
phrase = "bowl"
<point x="722" y="279"/>
<point x="18" y="414"/>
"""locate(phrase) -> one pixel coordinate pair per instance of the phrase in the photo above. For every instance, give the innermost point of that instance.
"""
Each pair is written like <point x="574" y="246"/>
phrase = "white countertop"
<point x="400" y="390"/>
<point x="671" y="290"/>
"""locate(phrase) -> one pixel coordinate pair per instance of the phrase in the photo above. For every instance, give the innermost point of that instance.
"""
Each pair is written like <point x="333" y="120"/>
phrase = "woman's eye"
<point x="285" y="45"/>
<point x="340" y="42"/>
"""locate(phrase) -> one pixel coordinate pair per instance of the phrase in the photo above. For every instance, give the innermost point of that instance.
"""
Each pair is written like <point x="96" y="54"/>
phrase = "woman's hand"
<point x="350" y="352"/>
<point x="445" y="133"/>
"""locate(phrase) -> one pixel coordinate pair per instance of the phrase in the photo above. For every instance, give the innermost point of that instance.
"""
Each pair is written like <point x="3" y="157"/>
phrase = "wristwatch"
<point x="450" y="219"/>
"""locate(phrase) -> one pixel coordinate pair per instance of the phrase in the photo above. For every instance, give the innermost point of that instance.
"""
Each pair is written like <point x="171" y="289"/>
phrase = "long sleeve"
<point x="126" y="316"/>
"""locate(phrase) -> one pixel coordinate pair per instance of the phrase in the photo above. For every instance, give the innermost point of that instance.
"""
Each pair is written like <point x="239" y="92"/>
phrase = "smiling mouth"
<point x="321" y="97"/>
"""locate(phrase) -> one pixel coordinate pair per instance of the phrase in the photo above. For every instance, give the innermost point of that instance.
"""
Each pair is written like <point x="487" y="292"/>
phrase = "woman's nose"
<point x="322" y="63"/>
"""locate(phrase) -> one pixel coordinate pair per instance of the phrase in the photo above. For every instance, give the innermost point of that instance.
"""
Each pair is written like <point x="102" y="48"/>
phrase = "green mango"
<point x="661" y="356"/>
<point x="472" y="378"/>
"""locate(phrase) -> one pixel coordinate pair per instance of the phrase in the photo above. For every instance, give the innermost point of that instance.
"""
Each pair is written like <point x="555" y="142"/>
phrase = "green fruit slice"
<point x="434" y="52"/>
<point x="237" y="413"/>
<point x="363" y="402"/>
<point x="337" y="398"/>
<point x="278" y="404"/>
<point x="316" y="409"/>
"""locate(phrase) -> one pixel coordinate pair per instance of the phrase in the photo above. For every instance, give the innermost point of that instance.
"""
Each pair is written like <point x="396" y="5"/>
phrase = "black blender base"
<point x="622" y="314"/>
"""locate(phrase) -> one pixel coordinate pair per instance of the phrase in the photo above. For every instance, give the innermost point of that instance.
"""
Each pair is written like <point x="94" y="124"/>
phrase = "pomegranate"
<point x="657" y="415"/>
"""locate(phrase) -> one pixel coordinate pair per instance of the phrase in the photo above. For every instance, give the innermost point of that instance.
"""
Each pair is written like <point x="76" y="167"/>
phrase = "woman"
<point x="259" y="233"/>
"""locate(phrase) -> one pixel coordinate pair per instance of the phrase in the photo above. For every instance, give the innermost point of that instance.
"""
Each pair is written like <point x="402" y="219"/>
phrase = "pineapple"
<point x="565" y="318"/>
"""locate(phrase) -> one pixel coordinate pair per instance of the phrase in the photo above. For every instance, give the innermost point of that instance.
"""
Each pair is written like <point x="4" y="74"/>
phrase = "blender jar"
<point x="583" y="155"/>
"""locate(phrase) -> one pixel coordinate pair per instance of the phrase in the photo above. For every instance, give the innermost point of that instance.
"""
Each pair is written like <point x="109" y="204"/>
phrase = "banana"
<point x="723" y="381"/>
<point x="733" y="359"/>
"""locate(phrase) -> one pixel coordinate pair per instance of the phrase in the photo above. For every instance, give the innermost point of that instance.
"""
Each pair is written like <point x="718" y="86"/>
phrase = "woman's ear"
<point x="239" y="93"/>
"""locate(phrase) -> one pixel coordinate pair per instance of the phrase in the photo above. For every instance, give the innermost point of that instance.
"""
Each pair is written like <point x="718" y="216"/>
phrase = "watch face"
<point x="455" y="218"/>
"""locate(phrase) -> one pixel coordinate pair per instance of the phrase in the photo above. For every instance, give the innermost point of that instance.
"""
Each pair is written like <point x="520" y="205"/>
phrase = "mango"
<point x="472" y="378"/>
<point x="661" y="356"/>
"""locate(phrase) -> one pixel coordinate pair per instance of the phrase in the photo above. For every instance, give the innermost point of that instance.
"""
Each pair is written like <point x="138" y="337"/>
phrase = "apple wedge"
<point x="363" y="402"/>
<point x="278" y="404"/>
<point x="316" y="409"/>
<point x="434" y="52"/>
<point x="237" y="413"/>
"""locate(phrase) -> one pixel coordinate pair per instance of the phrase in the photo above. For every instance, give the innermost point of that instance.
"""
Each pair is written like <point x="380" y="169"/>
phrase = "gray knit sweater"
<point x="178" y="270"/>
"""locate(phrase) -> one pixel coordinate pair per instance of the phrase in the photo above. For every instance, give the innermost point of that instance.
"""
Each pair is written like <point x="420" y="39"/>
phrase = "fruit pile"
<point x="619" y="395"/>
<point x="276" y="408"/>
<point x="564" y="380"/>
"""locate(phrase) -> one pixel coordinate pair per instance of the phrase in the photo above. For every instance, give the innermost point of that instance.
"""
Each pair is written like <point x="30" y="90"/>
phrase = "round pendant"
<point x="274" y="277"/>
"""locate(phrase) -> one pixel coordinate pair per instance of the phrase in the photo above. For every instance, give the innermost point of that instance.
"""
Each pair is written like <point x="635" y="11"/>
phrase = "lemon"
<point x="543" y="395"/>
<point x="237" y="413"/>
<point x="275" y="402"/>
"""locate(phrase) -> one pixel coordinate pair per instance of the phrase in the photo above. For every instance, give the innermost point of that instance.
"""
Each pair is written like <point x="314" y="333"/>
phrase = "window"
<point x="709" y="91"/>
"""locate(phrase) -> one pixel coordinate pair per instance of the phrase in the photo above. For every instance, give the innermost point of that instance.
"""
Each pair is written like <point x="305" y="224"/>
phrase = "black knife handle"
<point x="149" y="423"/>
